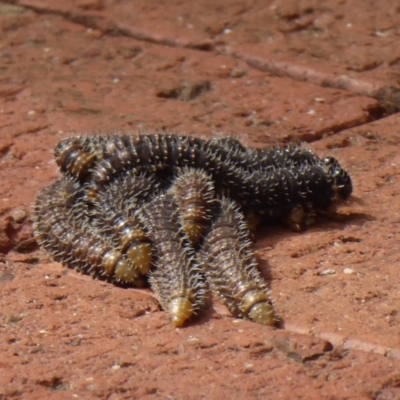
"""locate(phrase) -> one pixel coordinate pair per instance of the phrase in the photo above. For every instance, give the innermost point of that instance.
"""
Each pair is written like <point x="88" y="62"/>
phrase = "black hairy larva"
<point x="155" y="151"/>
<point x="172" y="209"/>
<point x="265" y="179"/>
<point x="177" y="277"/>
<point x="113" y="212"/>
<point x="269" y="188"/>
<point x="63" y="228"/>
<point x="231" y="267"/>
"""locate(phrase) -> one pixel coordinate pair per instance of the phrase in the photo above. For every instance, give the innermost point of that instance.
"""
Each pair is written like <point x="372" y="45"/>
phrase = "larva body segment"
<point x="314" y="187"/>
<point x="231" y="268"/>
<point x="193" y="191"/>
<point x="232" y="151"/>
<point x="267" y="158"/>
<point x="114" y="214"/>
<point x="154" y="151"/>
<point x="177" y="278"/>
<point x="63" y="228"/>
<point x="290" y="156"/>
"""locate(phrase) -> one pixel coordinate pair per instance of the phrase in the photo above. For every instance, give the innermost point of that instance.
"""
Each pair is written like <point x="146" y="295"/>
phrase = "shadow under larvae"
<point x="177" y="278"/>
<point x="231" y="268"/>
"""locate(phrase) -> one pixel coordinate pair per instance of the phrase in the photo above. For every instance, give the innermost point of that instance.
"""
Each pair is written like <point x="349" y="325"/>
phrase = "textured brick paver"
<point x="323" y="72"/>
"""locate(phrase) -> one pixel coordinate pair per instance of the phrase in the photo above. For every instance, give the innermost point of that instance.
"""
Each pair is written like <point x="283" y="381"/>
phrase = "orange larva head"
<point x="180" y="309"/>
<point x="131" y="233"/>
<point x="63" y="151"/>
<point x="297" y="219"/>
<point x="135" y="244"/>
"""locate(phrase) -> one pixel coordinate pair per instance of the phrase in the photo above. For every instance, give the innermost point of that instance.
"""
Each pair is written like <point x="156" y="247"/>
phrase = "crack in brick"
<point x="347" y="343"/>
<point x="387" y="97"/>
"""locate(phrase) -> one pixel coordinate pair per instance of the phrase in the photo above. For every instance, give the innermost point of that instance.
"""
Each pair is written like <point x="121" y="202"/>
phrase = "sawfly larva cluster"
<point x="173" y="211"/>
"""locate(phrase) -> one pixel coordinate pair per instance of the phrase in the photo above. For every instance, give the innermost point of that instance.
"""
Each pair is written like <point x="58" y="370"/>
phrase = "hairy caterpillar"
<point x="177" y="277"/>
<point x="193" y="191"/>
<point x="63" y="228"/>
<point x="231" y="268"/>
<point x="113" y="213"/>
<point x="308" y="183"/>
<point x="171" y="208"/>
<point x="287" y="176"/>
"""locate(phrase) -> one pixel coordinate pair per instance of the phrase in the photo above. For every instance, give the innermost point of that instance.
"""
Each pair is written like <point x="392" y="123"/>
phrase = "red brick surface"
<point x="325" y="72"/>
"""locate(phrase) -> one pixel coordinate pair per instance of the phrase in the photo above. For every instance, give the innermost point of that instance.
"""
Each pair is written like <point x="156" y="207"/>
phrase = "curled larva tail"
<point x="76" y="156"/>
<point x="113" y="212"/>
<point x="231" y="267"/>
<point x="193" y="191"/>
<point x="177" y="278"/>
<point x="62" y="227"/>
<point x="257" y="306"/>
<point x="180" y="309"/>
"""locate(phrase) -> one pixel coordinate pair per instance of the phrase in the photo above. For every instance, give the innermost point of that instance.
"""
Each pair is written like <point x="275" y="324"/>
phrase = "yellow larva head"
<point x="109" y="261"/>
<point x="262" y="313"/>
<point x="180" y="309"/>
<point x="125" y="272"/>
<point x="258" y="308"/>
<point x="140" y="255"/>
